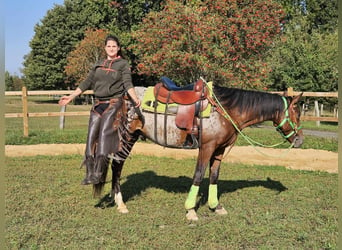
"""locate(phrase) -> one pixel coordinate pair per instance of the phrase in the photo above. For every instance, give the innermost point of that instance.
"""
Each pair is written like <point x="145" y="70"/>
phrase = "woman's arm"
<point x="68" y="98"/>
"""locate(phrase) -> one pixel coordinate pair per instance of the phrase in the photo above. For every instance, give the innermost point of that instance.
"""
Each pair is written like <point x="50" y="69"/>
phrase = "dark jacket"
<point x="108" y="79"/>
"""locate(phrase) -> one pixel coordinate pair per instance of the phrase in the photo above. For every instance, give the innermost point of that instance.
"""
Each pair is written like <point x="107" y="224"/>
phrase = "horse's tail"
<point x="97" y="189"/>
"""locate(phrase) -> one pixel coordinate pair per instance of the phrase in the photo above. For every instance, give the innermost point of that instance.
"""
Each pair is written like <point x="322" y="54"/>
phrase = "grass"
<point x="268" y="207"/>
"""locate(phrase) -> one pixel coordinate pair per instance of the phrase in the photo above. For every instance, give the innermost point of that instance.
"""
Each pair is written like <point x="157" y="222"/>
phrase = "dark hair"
<point x="115" y="39"/>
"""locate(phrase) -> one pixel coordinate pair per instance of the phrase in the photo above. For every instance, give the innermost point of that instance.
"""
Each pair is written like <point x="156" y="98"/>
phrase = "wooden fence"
<point x="25" y="114"/>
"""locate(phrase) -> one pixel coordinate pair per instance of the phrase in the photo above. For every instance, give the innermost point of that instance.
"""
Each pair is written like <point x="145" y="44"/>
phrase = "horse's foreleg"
<point x="215" y="163"/>
<point x="116" y="189"/>
<point x="190" y="203"/>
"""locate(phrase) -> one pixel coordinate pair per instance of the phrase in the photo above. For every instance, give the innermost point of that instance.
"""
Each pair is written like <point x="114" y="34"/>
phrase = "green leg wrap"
<point x="212" y="199"/>
<point x="191" y="200"/>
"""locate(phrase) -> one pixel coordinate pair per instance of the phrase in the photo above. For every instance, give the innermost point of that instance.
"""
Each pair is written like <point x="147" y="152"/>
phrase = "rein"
<point x="215" y="102"/>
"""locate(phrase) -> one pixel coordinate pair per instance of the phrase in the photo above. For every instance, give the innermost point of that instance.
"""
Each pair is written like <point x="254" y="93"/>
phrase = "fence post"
<point x="321" y="109"/>
<point x="25" y="112"/>
<point x="317" y="113"/>
<point x="290" y="91"/>
<point x="62" y="117"/>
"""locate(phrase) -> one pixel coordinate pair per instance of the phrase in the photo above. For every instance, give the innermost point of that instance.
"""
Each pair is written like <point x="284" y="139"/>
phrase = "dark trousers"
<point x="102" y="140"/>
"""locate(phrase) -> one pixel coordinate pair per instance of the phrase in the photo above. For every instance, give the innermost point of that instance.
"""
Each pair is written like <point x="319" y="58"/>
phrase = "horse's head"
<point x="288" y="123"/>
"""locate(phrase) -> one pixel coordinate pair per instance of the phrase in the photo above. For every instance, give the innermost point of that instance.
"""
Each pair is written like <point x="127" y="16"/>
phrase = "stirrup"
<point x="194" y="144"/>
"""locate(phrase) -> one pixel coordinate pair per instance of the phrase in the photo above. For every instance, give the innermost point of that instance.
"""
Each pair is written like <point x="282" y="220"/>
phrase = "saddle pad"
<point x="149" y="100"/>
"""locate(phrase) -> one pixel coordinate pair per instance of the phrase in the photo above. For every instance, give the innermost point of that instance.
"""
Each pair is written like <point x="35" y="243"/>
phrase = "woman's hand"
<point x="134" y="97"/>
<point x="137" y="103"/>
<point x="65" y="100"/>
<point x="68" y="98"/>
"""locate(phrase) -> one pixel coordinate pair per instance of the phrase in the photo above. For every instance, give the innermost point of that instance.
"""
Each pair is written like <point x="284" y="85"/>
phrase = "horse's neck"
<point x="244" y="120"/>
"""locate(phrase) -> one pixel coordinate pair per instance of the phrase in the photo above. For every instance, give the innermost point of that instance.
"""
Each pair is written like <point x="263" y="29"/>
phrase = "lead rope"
<point x="252" y="142"/>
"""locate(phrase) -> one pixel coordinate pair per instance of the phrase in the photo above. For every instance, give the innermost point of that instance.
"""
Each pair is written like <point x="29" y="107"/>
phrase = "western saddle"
<point x="191" y="100"/>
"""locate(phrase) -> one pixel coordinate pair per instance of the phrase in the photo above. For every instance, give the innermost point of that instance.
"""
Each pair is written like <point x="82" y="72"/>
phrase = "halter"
<point x="293" y="125"/>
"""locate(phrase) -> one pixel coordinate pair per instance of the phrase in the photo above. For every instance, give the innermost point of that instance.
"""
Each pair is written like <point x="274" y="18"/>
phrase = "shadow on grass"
<point x="137" y="183"/>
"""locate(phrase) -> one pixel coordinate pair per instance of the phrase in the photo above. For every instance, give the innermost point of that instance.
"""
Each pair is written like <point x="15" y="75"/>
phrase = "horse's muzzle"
<point x="298" y="141"/>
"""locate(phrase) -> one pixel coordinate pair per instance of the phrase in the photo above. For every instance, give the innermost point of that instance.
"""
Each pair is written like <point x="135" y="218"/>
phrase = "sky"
<point x="21" y="16"/>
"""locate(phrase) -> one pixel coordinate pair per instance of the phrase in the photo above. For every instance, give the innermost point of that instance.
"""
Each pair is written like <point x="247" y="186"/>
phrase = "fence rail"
<point x="25" y="114"/>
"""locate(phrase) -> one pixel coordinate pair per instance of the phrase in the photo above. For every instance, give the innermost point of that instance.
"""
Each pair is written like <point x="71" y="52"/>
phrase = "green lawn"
<point x="268" y="207"/>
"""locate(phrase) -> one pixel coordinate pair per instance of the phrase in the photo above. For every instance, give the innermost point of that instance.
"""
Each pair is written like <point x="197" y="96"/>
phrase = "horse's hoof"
<point x="220" y="210"/>
<point x="191" y="215"/>
<point x="123" y="210"/>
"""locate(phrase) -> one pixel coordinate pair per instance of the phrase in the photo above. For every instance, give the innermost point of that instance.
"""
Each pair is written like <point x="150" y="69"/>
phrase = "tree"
<point x="306" y="63"/>
<point x="64" y="26"/>
<point x="322" y="14"/>
<point x="9" y="84"/>
<point x="224" y="41"/>
<point x="319" y="14"/>
<point x="86" y="53"/>
<point x="56" y="36"/>
<point x="305" y="57"/>
<point x="12" y="82"/>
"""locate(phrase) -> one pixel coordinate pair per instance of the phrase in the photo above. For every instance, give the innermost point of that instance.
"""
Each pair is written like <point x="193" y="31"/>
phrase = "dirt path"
<point x="305" y="159"/>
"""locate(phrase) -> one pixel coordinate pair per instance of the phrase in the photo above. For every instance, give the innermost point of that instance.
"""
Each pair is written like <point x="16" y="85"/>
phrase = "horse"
<point x="231" y="111"/>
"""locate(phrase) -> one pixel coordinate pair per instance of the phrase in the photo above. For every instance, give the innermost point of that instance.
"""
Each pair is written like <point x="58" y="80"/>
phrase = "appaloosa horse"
<point x="231" y="111"/>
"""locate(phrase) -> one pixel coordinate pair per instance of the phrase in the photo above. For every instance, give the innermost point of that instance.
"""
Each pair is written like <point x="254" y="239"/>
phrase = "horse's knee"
<point x="198" y="177"/>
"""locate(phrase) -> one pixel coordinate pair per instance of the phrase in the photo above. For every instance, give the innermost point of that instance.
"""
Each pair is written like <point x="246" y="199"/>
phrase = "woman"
<point x="110" y="79"/>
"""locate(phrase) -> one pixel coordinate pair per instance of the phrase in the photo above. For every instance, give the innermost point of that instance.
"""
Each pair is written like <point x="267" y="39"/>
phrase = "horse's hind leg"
<point x="215" y="163"/>
<point x="116" y="189"/>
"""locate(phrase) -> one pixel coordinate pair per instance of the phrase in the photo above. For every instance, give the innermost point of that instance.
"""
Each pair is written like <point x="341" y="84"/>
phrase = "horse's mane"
<point x="260" y="103"/>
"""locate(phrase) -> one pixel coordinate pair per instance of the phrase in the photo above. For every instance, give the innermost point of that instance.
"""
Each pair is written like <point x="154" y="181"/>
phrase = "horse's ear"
<point x="296" y="98"/>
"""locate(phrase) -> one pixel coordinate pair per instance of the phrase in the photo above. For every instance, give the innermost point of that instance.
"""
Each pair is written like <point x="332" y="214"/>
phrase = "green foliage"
<point x="268" y="207"/>
<point x="320" y="14"/>
<point x="12" y="82"/>
<point x="305" y="62"/>
<point x="305" y="58"/>
<point x="224" y="41"/>
<point x="130" y="13"/>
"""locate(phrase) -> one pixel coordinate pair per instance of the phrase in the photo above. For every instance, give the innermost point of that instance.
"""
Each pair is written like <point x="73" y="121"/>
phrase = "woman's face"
<point x="112" y="49"/>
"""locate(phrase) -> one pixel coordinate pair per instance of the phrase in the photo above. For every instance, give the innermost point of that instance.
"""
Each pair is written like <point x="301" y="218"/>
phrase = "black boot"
<point x="101" y="169"/>
<point x="93" y="134"/>
<point x="89" y="163"/>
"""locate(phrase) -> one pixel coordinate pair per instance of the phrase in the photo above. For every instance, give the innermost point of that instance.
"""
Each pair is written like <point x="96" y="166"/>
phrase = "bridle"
<point x="293" y="125"/>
